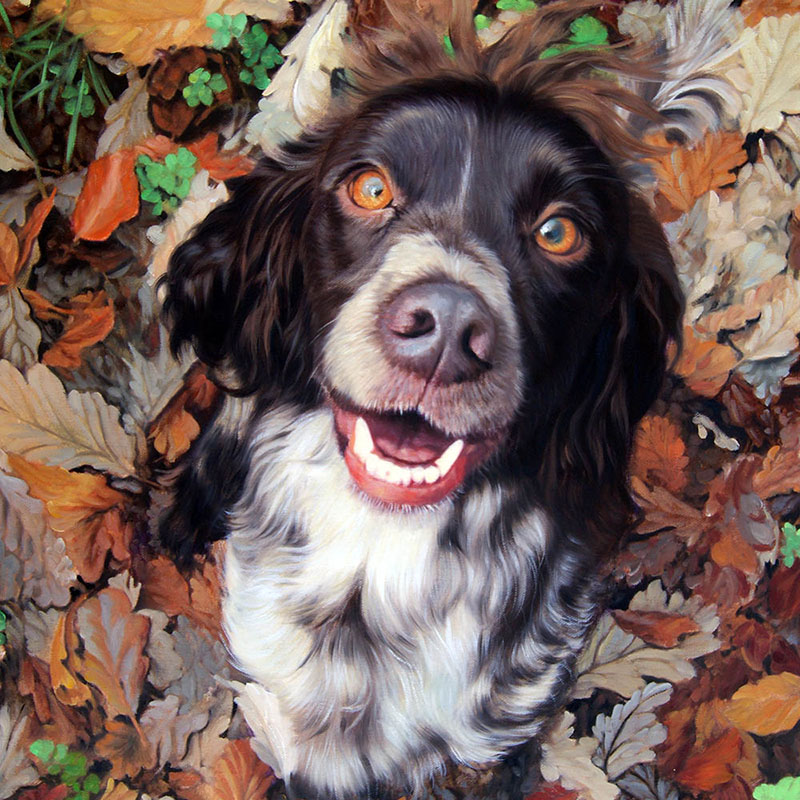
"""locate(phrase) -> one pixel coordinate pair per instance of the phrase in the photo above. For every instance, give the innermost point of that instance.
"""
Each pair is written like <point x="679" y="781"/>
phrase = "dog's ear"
<point x="586" y="460"/>
<point x="234" y="288"/>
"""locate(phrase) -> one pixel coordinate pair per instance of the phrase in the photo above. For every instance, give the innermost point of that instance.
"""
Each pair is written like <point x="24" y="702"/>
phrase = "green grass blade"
<point x="7" y="21"/>
<point x="72" y="135"/>
<point x="99" y="83"/>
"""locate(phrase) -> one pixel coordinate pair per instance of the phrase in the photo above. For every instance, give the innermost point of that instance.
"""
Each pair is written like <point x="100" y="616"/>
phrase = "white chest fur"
<point x="365" y="633"/>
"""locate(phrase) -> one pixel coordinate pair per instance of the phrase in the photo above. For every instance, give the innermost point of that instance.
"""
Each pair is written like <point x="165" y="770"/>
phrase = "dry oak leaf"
<point x="664" y="511"/>
<point x="685" y="174"/>
<point x="704" y="364"/>
<point x="20" y="336"/>
<point x="714" y="766"/>
<point x="12" y="157"/>
<point x="126" y="748"/>
<point x="16" y="769"/>
<point x="784" y="592"/>
<point x="770" y="77"/>
<point x="780" y="469"/>
<point x="110" y="196"/>
<point x="118" y="791"/>
<point x="135" y="28"/>
<point x="771" y="705"/>
<point x="127" y="122"/>
<point x="660" y="454"/>
<point x="113" y="659"/>
<point x="755" y="10"/>
<point x="17" y="248"/>
<point x="39" y="420"/>
<point x="240" y="774"/>
<point x="67" y="687"/>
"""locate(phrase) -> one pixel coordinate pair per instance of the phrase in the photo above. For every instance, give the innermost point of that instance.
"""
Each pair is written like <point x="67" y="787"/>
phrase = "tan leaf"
<point x="9" y="255"/>
<point x="780" y="469"/>
<point x="174" y="432"/>
<point x="125" y="747"/>
<point x="127" y="122"/>
<point x="656" y="627"/>
<point x="684" y="174"/>
<point x="240" y="774"/>
<point x="38" y="419"/>
<point x="704" y="364"/>
<point x="113" y="660"/>
<point x="118" y="791"/>
<point x="16" y="769"/>
<point x="769" y="80"/>
<point x="20" y="336"/>
<point x="771" y="705"/>
<point x="660" y="454"/>
<point x="12" y="156"/>
<point x="665" y="511"/>
<point x="164" y="587"/>
<point x="755" y="10"/>
<point x="136" y="28"/>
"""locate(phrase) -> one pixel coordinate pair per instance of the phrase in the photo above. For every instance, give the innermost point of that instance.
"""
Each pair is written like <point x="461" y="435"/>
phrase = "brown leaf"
<point x="9" y="255"/>
<point x="704" y="364"/>
<point x="204" y="588"/>
<point x="118" y="791"/>
<point x="110" y="196"/>
<point x="33" y="226"/>
<point x="684" y="175"/>
<point x="46" y="792"/>
<point x="240" y="774"/>
<point x="665" y="511"/>
<point x="174" y="432"/>
<point x="126" y="749"/>
<point x="659" y="628"/>
<point x="113" y="660"/>
<point x="780" y="469"/>
<point x="221" y="165"/>
<point x="66" y="685"/>
<point x="769" y="706"/>
<point x="163" y="587"/>
<point x="89" y="543"/>
<point x="90" y="320"/>
<point x="712" y="767"/>
<point x="659" y="453"/>
<point x="754" y="641"/>
<point x="784" y="593"/>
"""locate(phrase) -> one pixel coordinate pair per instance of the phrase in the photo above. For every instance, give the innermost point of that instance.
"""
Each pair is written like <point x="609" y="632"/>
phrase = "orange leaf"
<point x="174" y="432"/>
<point x="113" y="659"/>
<point x="156" y="147"/>
<point x="714" y="765"/>
<point x="9" y="255"/>
<point x="221" y="165"/>
<point x="91" y="320"/>
<point x="204" y="587"/>
<point x="31" y="229"/>
<point x="687" y="174"/>
<point x="110" y="196"/>
<point x="660" y="454"/>
<point x="66" y="686"/>
<point x="656" y="627"/>
<point x="731" y="550"/>
<point x="70" y="497"/>
<point x="771" y="705"/>
<point x="125" y="747"/>
<point x="163" y="587"/>
<point x="780" y="469"/>
<point x="89" y="542"/>
<point x="755" y="10"/>
<point x="704" y="364"/>
<point x="240" y="775"/>
<point x="664" y="511"/>
<point x="42" y="307"/>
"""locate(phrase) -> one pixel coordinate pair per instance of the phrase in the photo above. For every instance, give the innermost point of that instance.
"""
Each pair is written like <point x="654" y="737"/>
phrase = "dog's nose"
<point x="442" y="331"/>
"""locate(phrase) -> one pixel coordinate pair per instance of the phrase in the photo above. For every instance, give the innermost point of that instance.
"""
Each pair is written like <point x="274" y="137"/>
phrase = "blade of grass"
<point x="72" y="135"/>
<point x="7" y="21"/>
<point x="99" y="83"/>
<point x="20" y="136"/>
<point x="39" y="89"/>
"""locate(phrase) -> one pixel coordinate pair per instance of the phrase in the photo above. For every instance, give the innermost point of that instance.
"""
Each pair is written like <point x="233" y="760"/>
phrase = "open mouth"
<point x="401" y="459"/>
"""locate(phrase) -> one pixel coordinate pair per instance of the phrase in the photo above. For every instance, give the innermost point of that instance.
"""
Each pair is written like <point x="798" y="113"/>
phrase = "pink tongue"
<point x="407" y="438"/>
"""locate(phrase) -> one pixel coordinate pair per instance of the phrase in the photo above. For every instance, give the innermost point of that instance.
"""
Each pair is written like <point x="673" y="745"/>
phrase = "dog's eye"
<point x="370" y="190"/>
<point x="558" y="235"/>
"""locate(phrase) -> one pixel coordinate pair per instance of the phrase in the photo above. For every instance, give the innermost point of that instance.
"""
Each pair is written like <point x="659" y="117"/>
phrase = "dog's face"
<point x="460" y="273"/>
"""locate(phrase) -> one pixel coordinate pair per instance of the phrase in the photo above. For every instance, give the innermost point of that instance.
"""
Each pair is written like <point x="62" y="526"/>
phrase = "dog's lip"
<point x="401" y="459"/>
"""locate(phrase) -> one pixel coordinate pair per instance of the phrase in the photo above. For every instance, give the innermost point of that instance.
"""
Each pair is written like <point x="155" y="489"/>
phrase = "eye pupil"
<point x="373" y="187"/>
<point x="558" y="236"/>
<point x="554" y="231"/>
<point x="370" y="190"/>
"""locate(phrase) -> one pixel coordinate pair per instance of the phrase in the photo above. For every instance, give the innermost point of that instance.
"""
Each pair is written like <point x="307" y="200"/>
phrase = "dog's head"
<point x="456" y="265"/>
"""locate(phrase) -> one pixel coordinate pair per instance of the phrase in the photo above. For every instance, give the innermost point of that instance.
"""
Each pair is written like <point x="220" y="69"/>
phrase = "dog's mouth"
<point x="399" y="458"/>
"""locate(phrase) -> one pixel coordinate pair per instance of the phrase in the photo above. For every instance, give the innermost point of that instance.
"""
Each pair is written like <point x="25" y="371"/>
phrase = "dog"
<point x="437" y="319"/>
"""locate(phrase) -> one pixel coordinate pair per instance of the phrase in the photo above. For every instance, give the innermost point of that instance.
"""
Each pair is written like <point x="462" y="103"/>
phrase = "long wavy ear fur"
<point x="235" y="288"/>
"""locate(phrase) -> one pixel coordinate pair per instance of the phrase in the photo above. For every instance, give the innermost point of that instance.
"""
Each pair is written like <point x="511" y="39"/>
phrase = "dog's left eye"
<point x="558" y="235"/>
<point x="370" y="190"/>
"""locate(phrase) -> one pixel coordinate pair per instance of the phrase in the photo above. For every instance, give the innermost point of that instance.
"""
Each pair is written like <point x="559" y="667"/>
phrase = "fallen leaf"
<point x="684" y="174"/>
<point x="39" y="418"/>
<point x="780" y="469"/>
<point x="240" y="774"/>
<point x="712" y="767"/>
<point x="658" y="628"/>
<point x="118" y="791"/>
<point x="664" y="511"/>
<point x="33" y="225"/>
<point x="12" y="157"/>
<point x="659" y="453"/>
<point x="66" y="685"/>
<point x="768" y="706"/>
<point x="16" y="769"/>
<point x="163" y="586"/>
<point x="127" y="122"/>
<point x="628" y="735"/>
<point x="9" y="255"/>
<point x="221" y="165"/>
<point x="755" y="10"/>
<point x="110" y="196"/>
<point x="20" y="336"/>
<point x="124" y="746"/>
<point x="784" y="593"/>
<point x="174" y="432"/>
<point x="644" y="783"/>
<point x="114" y="638"/>
<point x="133" y="27"/>
<point x="90" y="320"/>
<point x="704" y="363"/>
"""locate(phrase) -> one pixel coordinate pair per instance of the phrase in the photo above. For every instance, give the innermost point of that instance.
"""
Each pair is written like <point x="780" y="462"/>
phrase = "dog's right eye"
<point x="370" y="190"/>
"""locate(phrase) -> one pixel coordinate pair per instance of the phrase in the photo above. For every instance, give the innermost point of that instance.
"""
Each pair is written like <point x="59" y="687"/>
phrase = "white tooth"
<point x="405" y="478"/>
<point x="373" y="464"/>
<point x="396" y="475"/>
<point x="386" y="471"/>
<point x="362" y="439"/>
<point x="432" y="474"/>
<point x="418" y="474"/>
<point x="450" y="456"/>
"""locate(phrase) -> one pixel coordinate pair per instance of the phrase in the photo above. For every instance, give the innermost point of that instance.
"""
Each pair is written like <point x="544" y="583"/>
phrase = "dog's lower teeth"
<point x="418" y="474"/>
<point x="432" y="474"/>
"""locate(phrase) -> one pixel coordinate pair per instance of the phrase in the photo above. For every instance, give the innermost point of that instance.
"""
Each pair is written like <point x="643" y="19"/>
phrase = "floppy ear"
<point x="585" y="467"/>
<point x="234" y="289"/>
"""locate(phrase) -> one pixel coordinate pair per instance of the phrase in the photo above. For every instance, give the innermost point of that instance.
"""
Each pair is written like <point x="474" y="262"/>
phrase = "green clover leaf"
<point x="516" y="5"/>
<point x="787" y="788"/>
<point x="791" y="546"/>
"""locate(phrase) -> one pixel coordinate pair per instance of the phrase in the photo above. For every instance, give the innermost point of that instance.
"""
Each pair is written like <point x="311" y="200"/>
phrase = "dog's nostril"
<point x="419" y="323"/>
<point x="479" y="341"/>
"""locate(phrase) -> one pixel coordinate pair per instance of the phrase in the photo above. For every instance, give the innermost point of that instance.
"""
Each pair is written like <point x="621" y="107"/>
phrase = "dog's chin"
<point x="398" y="458"/>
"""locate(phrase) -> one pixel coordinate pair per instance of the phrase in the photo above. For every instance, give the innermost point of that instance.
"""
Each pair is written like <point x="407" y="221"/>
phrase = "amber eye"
<point x="370" y="190"/>
<point x="558" y="235"/>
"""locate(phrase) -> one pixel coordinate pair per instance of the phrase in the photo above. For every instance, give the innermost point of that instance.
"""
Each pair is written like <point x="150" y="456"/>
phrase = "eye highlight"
<point x="558" y="235"/>
<point x="370" y="190"/>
